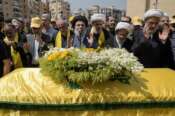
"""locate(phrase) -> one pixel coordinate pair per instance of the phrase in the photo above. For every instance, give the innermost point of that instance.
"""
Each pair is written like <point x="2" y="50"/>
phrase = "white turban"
<point x="153" y="13"/>
<point x="123" y="25"/>
<point x="98" y="17"/>
<point x="165" y="14"/>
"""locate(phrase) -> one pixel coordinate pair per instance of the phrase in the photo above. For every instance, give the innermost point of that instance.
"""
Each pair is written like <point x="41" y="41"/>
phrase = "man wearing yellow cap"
<point x="38" y="41"/>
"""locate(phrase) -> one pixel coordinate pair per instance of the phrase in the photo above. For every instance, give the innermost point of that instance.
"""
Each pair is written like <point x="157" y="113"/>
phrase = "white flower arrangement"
<point x="90" y="65"/>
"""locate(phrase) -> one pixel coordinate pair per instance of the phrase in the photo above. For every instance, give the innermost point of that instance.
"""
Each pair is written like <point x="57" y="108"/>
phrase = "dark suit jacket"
<point x="42" y="49"/>
<point x="127" y="44"/>
<point x="152" y="53"/>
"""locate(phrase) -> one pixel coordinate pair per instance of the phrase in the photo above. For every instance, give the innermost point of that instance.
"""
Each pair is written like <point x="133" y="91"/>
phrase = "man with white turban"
<point x="147" y="46"/>
<point x="164" y="19"/>
<point x="121" y="41"/>
<point x="98" y="37"/>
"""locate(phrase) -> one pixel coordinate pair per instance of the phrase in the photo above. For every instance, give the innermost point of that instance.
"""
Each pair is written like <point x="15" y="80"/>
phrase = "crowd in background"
<point x="151" y="38"/>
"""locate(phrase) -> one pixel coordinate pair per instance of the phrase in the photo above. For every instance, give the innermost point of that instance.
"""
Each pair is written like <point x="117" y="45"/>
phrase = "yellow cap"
<point x="71" y="18"/>
<point x="137" y="21"/>
<point x="36" y="22"/>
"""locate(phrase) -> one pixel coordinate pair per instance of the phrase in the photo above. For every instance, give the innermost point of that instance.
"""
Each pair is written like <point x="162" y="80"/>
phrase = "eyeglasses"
<point x="152" y="23"/>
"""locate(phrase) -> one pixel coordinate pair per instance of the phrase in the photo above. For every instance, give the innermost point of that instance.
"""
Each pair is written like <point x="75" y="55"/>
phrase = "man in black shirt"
<point x="4" y="59"/>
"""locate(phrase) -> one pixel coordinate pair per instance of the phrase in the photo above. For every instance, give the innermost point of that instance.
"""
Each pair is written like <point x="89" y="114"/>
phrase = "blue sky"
<point x="84" y="4"/>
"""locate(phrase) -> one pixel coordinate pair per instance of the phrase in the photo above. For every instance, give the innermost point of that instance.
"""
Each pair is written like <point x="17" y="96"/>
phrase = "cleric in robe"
<point x="98" y="37"/>
<point x="146" y="43"/>
<point x="120" y="40"/>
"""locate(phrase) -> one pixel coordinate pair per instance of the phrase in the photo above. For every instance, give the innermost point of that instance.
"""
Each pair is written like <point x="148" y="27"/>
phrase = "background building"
<point x="1" y="9"/>
<point x="59" y="8"/>
<point x="21" y="8"/>
<point x="79" y="12"/>
<point x="34" y="8"/>
<point x="11" y="9"/>
<point x="138" y="7"/>
<point x="45" y="7"/>
<point x="167" y="6"/>
<point x="107" y="11"/>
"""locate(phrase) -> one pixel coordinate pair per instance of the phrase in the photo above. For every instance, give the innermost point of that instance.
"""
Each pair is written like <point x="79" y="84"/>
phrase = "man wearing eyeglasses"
<point x="147" y="46"/>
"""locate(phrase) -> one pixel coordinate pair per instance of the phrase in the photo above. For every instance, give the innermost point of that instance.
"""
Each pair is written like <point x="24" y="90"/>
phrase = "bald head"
<point x="62" y="24"/>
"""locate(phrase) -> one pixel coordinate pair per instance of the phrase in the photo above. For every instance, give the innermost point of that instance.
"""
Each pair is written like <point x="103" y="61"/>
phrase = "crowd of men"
<point x="152" y="39"/>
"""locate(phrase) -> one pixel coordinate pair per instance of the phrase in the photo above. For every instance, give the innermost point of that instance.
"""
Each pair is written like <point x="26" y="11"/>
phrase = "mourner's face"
<point x="122" y="34"/>
<point x="151" y="24"/>
<point x="98" y="25"/>
<point x="164" y="20"/>
<point x="111" y="22"/>
<point x="10" y="32"/>
<point x="62" y="26"/>
<point x="45" y="22"/>
<point x="36" y="30"/>
<point x="80" y="26"/>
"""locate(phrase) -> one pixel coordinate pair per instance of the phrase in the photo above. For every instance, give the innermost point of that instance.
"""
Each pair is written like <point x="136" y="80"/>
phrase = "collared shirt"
<point x="36" y="49"/>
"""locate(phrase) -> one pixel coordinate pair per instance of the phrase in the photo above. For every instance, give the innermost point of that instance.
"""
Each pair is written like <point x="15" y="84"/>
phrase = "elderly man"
<point x="48" y="29"/>
<point x="64" y="36"/>
<point x="121" y="41"/>
<point x="147" y="46"/>
<point x="15" y="52"/>
<point x="98" y="37"/>
<point x="19" y="27"/>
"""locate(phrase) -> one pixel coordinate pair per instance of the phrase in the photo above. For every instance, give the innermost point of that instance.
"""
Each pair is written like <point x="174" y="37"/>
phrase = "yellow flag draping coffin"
<point x="29" y="86"/>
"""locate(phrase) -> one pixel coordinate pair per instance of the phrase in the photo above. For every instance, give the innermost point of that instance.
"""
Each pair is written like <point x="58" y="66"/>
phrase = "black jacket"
<point x="127" y="44"/>
<point x="151" y="52"/>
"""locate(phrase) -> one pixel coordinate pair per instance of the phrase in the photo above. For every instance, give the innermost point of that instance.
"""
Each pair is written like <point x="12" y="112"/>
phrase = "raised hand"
<point x="90" y="40"/>
<point x="163" y="36"/>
